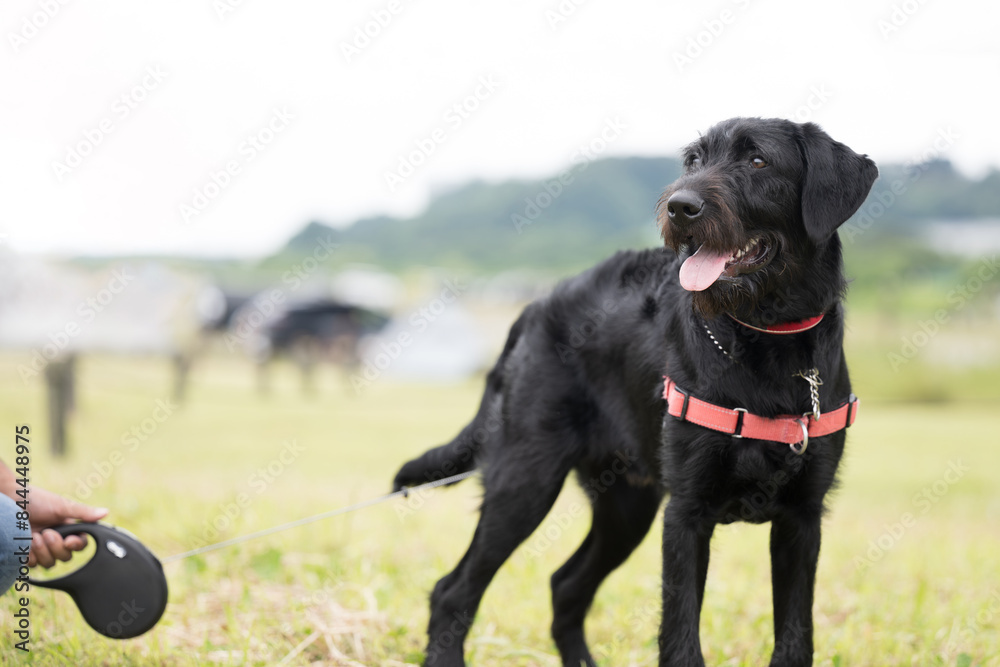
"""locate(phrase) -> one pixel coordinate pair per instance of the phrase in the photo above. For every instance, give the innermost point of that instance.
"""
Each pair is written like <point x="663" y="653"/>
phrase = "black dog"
<point x="742" y="312"/>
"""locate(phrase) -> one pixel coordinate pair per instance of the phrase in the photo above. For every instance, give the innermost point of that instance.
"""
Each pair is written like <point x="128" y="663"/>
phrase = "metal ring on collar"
<point x="800" y="447"/>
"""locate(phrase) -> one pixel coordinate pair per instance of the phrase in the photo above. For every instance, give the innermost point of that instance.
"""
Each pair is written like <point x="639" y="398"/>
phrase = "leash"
<point x="122" y="591"/>
<point x="403" y="493"/>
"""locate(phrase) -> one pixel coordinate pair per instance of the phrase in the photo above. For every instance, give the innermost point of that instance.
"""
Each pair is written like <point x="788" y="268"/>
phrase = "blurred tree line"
<point x="571" y="220"/>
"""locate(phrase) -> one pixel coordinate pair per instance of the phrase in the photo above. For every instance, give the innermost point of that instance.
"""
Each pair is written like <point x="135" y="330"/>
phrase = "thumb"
<point x="74" y="510"/>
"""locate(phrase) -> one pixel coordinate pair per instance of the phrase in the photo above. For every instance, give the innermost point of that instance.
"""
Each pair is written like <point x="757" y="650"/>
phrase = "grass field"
<point x="352" y="589"/>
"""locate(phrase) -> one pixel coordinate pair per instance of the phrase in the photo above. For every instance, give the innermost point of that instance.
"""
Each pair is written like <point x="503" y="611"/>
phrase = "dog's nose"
<point x="684" y="207"/>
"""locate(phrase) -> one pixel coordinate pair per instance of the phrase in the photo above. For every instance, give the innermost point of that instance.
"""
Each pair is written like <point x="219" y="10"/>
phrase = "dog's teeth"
<point x="743" y="252"/>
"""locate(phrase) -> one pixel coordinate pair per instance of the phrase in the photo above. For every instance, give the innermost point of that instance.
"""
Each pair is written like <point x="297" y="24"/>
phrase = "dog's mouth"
<point x="702" y="269"/>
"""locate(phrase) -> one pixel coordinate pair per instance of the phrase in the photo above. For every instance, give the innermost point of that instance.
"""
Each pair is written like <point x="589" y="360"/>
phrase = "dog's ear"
<point x="835" y="183"/>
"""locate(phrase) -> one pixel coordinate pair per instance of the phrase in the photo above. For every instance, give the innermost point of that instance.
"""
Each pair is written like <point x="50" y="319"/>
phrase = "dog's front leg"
<point x="794" y="554"/>
<point x="685" y="564"/>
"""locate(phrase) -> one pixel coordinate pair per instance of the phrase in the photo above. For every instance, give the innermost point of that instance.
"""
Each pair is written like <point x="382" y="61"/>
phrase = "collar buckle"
<point x="684" y="408"/>
<point x="737" y="433"/>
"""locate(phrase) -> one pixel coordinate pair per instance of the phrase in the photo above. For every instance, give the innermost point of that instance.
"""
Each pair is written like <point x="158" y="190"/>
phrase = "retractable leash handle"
<point x="121" y="591"/>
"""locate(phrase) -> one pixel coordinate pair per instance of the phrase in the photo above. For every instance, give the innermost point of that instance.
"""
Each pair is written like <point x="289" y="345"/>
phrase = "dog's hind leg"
<point x="519" y="492"/>
<point x="622" y="517"/>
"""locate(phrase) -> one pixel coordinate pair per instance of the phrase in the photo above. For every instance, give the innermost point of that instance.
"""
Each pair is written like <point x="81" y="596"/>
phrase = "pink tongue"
<point x="701" y="269"/>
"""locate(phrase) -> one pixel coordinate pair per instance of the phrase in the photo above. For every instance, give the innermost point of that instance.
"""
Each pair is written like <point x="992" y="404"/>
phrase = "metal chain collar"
<point x="717" y="343"/>
<point x="812" y="377"/>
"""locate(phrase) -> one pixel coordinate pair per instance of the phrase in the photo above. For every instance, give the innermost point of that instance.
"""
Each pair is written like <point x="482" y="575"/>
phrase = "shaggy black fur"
<point x="578" y="387"/>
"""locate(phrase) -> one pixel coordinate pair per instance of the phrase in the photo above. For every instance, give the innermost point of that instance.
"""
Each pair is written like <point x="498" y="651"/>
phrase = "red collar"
<point x="786" y="327"/>
<point x="789" y="429"/>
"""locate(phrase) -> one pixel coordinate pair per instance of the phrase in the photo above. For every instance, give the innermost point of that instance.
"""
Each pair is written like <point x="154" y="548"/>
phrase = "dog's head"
<point x="755" y="214"/>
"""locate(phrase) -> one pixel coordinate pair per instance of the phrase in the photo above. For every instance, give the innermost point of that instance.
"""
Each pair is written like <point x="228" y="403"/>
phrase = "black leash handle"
<point x="121" y="591"/>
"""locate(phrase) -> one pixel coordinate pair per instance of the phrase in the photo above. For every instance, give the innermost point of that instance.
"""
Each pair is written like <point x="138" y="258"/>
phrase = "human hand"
<point x="49" y="509"/>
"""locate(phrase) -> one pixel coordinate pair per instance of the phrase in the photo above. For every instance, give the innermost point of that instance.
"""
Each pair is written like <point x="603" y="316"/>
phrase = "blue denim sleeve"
<point x="9" y="563"/>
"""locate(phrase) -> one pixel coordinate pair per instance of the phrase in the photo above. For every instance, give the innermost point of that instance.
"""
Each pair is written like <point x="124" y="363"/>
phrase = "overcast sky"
<point x="219" y="127"/>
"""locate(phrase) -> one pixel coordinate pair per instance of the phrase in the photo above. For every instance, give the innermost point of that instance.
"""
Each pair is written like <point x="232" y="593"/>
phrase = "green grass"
<point x="357" y="585"/>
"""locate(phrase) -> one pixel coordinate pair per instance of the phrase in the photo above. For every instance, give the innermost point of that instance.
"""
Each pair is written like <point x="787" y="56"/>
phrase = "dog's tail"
<point x="449" y="459"/>
<point x="462" y="454"/>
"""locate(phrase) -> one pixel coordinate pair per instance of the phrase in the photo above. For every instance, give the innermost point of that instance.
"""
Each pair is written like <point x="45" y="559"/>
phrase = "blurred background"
<point x="228" y="227"/>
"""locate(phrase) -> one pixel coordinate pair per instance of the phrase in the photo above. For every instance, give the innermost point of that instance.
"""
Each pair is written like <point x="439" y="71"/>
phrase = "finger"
<point x="54" y="541"/>
<point x="75" y="542"/>
<point x="41" y="552"/>
<point x="74" y="510"/>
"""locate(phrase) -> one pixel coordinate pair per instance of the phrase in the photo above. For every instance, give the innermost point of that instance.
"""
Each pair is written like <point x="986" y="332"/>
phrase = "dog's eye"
<point x="758" y="162"/>
<point x="693" y="161"/>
